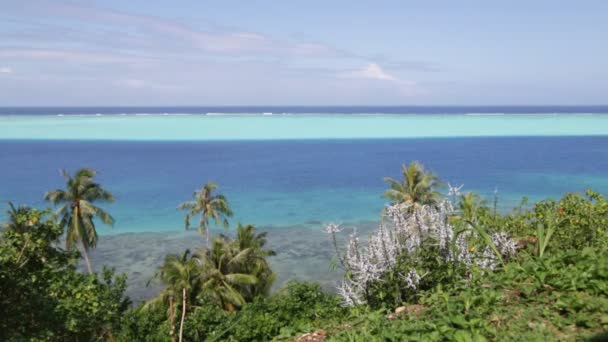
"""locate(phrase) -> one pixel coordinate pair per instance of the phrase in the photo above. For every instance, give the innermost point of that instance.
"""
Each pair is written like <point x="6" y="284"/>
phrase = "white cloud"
<point x="371" y="72"/>
<point x="6" y="70"/>
<point x="374" y="72"/>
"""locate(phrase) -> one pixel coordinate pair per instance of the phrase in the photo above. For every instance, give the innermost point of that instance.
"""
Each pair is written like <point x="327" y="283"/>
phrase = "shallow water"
<point x="303" y="253"/>
<point x="185" y="127"/>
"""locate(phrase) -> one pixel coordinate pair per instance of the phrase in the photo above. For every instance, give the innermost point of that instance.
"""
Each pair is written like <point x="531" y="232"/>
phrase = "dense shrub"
<point x="580" y="220"/>
<point x="42" y="295"/>
<point x="298" y="307"/>
<point x="563" y="296"/>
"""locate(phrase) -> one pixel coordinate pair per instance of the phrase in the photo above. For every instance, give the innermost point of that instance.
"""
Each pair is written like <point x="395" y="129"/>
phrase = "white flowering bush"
<point x="415" y="246"/>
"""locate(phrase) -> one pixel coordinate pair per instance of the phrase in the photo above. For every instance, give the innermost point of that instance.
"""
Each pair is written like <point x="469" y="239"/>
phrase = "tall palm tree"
<point x="418" y="187"/>
<point x="178" y="272"/>
<point x="208" y="206"/>
<point x="180" y="275"/>
<point x="221" y="275"/>
<point x="77" y="211"/>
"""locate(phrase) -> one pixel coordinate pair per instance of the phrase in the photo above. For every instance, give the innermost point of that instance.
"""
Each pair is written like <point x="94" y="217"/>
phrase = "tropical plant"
<point x="178" y="272"/>
<point x="18" y="219"/>
<point x="77" y="211"/>
<point x="222" y="273"/>
<point x="42" y="295"/>
<point x="256" y="263"/>
<point x="418" y="187"/>
<point x="180" y="275"/>
<point x="469" y="205"/>
<point x="225" y="276"/>
<point x="208" y="206"/>
<point x="544" y="232"/>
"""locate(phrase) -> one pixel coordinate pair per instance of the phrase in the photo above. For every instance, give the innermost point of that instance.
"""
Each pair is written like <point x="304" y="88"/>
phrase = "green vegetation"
<point x="419" y="187"/>
<point x="42" y="295"/>
<point x="208" y="206"/>
<point x="76" y="211"/>
<point x="297" y="308"/>
<point x="456" y="273"/>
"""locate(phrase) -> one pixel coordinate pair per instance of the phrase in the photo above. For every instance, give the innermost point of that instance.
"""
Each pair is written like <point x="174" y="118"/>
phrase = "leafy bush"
<point x="579" y="220"/>
<point x="42" y="295"/>
<point x="563" y="296"/>
<point x="297" y="308"/>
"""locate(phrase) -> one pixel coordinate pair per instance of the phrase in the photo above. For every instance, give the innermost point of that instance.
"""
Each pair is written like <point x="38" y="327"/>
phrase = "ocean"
<point x="289" y="174"/>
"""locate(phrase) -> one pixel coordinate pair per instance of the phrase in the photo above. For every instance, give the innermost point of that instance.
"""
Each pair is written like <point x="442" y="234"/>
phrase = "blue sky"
<point x="195" y="52"/>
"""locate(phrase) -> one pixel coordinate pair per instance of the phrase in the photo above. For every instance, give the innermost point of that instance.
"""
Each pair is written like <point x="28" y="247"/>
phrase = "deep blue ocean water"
<point x="290" y="182"/>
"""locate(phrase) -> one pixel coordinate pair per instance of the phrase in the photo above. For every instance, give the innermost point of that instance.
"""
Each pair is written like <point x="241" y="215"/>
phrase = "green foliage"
<point x="555" y="289"/>
<point x="42" y="296"/>
<point x="148" y="325"/>
<point x="209" y="207"/>
<point x="76" y="210"/>
<point x="229" y="274"/>
<point x="577" y="221"/>
<point x="392" y="290"/>
<point x="417" y="188"/>
<point x="298" y="308"/>
<point x="178" y="272"/>
<point x="562" y="296"/>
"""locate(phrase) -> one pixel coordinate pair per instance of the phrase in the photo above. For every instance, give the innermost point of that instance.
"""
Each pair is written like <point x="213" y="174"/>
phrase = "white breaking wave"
<point x="484" y="114"/>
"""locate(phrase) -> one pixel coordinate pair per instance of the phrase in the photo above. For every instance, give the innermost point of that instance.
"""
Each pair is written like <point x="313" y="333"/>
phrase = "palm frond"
<point x="89" y="209"/>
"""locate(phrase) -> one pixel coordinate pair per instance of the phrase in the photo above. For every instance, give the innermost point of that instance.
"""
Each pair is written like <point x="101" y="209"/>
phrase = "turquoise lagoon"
<point x="187" y="127"/>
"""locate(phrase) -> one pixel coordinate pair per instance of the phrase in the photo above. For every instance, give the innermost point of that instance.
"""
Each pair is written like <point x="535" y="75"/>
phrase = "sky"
<point x="313" y="52"/>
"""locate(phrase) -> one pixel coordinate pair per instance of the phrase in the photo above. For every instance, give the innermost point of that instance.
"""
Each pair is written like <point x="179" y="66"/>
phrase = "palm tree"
<point x="469" y="205"/>
<point x="180" y="274"/>
<point x="221" y="275"/>
<point x="418" y="187"/>
<point x="208" y="206"/>
<point x="256" y="263"/>
<point x="18" y="219"/>
<point x="246" y="237"/>
<point x="76" y="211"/>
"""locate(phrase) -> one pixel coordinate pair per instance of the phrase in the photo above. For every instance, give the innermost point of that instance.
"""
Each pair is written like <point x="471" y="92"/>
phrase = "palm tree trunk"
<point x="181" y="325"/>
<point x="205" y="227"/>
<point x="86" y="259"/>
<point x="172" y="318"/>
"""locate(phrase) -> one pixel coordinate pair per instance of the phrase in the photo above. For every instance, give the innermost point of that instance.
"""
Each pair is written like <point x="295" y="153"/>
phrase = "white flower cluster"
<point x="332" y="228"/>
<point x="408" y="229"/>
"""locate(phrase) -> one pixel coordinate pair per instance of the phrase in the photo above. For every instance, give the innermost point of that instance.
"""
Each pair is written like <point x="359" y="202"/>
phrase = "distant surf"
<point x="303" y="110"/>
